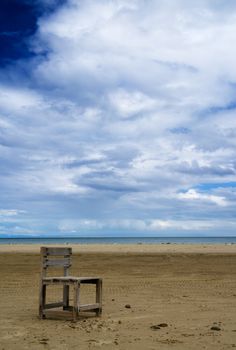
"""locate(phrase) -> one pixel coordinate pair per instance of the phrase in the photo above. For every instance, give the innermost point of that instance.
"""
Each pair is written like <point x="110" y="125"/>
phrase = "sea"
<point x="120" y="240"/>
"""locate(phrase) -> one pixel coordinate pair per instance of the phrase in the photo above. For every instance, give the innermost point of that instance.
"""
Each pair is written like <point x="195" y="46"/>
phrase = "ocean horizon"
<point x="119" y="240"/>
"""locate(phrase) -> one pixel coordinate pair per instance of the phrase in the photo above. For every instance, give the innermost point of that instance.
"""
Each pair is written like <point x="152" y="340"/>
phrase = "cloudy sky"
<point x="118" y="117"/>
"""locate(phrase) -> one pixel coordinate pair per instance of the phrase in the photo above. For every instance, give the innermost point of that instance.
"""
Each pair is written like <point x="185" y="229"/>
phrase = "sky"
<point x="117" y="117"/>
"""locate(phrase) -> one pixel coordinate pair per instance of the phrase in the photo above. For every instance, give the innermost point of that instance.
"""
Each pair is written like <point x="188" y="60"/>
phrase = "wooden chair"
<point x="61" y="257"/>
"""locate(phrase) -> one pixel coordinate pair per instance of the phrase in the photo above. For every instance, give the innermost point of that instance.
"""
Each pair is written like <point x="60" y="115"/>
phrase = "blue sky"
<point x="117" y="117"/>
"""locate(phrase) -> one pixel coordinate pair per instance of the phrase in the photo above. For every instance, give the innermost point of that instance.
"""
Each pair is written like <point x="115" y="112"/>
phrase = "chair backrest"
<point x="55" y="257"/>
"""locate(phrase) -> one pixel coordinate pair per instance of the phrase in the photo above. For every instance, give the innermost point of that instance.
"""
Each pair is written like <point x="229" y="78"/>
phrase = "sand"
<point x="187" y="288"/>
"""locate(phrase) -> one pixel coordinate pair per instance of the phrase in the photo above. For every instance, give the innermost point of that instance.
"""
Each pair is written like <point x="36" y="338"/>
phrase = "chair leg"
<point x="99" y="296"/>
<point x="76" y="301"/>
<point x="65" y="297"/>
<point x="42" y="300"/>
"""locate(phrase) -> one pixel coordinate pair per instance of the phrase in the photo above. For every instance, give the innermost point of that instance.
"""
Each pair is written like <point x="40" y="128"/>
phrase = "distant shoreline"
<point x="128" y="248"/>
<point x="119" y="240"/>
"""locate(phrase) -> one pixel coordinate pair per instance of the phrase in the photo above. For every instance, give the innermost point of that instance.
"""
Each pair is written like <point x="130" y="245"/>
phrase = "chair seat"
<point x="71" y="279"/>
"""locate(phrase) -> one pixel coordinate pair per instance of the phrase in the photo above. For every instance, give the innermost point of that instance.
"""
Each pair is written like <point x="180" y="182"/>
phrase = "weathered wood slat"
<point x="59" y="251"/>
<point x="89" y="307"/>
<point x="61" y="279"/>
<point x="73" y="278"/>
<point x="76" y="301"/>
<point x="99" y="296"/>
<point x="57" y="262"/>
<point x="53" y="305"/>
<point x="58" y="282"/>
<point x="65" y="296"/>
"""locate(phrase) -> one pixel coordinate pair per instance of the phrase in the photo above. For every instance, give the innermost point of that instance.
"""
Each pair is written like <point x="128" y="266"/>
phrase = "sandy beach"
<point x="176" y="294"/>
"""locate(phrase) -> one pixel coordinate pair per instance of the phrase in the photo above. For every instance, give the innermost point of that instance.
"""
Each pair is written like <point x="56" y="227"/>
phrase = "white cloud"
<point x="150" y="225"/>
<point x="194" y="195"/>
<point x="11" y="212"/>
<point x="17" y="99"/>
<point x="130" y="103"/>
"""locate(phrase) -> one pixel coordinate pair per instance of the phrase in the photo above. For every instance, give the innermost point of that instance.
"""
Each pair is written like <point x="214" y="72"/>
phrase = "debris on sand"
<point x="155" y="327"/>
<point x="44" y="341"/>
<point x="159" y="326"/>
<point x="163" y="325"/>
<point x="215" y="328"/>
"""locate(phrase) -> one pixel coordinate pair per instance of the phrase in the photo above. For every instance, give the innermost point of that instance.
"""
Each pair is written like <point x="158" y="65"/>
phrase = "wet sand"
<point x="185" y="289"/>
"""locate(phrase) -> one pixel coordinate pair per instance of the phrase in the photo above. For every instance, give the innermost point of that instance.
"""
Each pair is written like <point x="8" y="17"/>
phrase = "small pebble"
<point x="215" y="328"/>
<point x="127" y="306"/>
